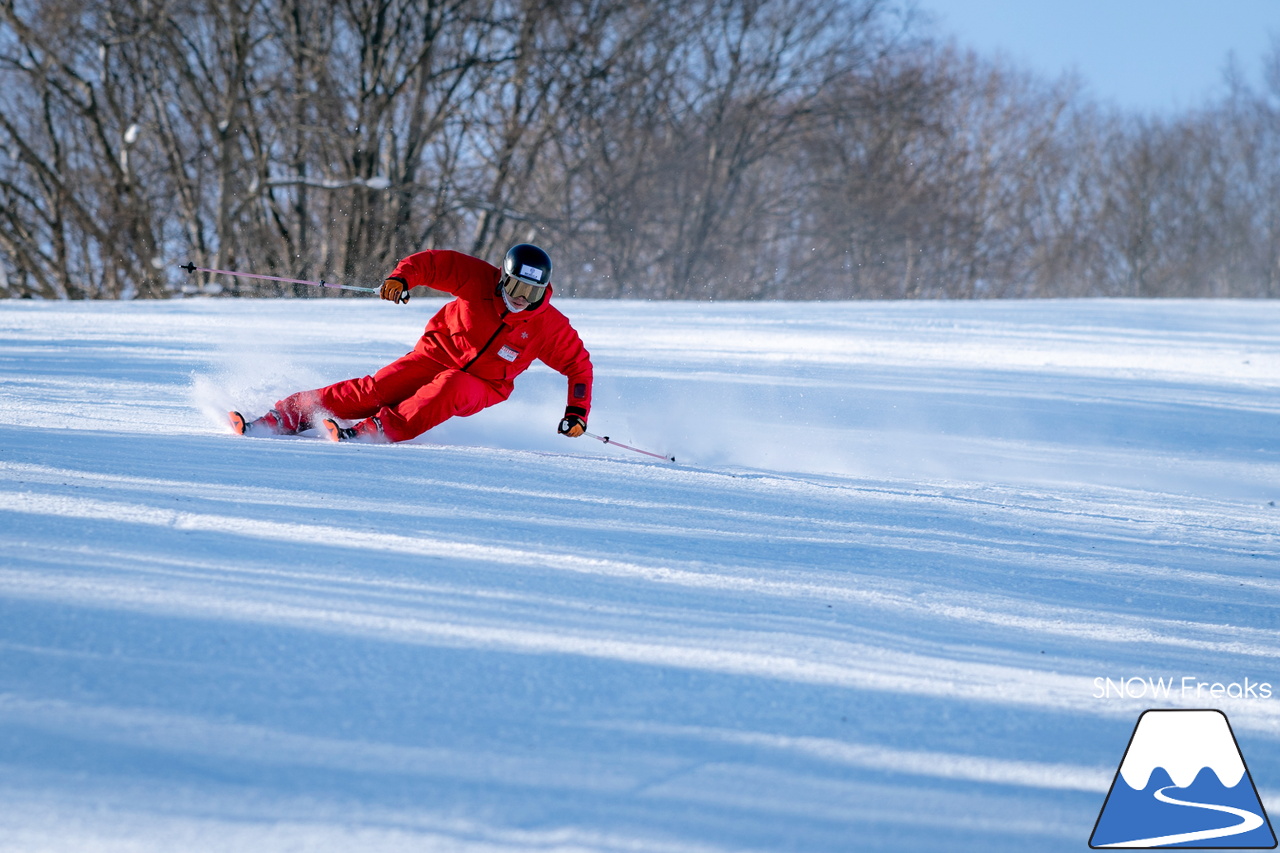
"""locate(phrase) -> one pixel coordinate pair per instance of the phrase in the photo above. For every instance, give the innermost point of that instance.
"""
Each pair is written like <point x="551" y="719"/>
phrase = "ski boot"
<point x="269" y="424"/>
<point x="369" y="429"/>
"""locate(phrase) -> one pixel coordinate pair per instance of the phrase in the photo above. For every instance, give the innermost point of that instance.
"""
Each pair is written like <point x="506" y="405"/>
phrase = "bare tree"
<point x="80" y="222"/>
<point x="661" y="149"/>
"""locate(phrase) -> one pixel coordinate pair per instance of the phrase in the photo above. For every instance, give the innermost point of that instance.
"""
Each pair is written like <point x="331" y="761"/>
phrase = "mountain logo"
<point x="1181" y="783"/>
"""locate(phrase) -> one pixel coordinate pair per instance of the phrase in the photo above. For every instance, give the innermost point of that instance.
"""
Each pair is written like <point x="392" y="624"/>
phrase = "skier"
<point x="466" y="360"/>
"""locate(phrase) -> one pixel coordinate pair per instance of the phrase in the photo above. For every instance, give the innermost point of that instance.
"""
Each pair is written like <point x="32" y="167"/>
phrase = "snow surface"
<point x="870" y="609"/>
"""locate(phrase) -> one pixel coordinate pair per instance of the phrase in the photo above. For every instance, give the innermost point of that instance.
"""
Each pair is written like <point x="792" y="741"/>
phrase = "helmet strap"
<point x="507" y="300"/>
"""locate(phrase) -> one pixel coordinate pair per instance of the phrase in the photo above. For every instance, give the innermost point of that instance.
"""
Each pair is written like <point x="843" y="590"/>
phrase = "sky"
<point x="1157" y="56"/>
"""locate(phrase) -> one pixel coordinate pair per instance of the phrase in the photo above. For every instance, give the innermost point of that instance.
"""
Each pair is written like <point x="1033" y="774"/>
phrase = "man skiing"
<point x="466" y="360"/>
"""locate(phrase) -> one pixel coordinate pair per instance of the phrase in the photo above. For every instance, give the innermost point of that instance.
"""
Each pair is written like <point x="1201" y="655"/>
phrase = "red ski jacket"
<point x="478" y="334"/>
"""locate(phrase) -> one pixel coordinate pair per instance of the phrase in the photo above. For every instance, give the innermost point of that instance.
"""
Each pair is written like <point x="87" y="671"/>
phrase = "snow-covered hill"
<point x="886" y="601"/>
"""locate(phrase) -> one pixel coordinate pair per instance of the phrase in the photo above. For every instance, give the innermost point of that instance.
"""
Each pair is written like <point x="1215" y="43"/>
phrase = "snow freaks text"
<point x="1184" y="687"/>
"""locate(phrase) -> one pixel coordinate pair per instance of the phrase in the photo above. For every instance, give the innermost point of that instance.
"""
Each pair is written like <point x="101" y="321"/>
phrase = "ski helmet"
<point x="526" y="271"/>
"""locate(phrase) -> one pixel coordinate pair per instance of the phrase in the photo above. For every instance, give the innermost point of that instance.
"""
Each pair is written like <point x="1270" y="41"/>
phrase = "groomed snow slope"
<point x="865" y="611"/>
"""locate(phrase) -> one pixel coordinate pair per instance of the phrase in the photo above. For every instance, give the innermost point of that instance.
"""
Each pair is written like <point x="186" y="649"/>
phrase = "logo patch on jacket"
<point x="508" y="354"/>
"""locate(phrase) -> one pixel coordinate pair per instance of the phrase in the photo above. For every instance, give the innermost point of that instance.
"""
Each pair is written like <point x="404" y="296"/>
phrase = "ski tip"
<point x="237" y="422"/>
<point x="332" y="431"/>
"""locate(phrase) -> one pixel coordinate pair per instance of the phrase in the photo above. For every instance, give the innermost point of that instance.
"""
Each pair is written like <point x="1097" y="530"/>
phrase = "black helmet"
<point x="526" y="271"/>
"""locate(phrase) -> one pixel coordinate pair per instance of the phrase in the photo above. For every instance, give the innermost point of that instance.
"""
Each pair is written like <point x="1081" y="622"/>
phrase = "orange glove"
<point x="573" y="425"/>
<point x="394" y="290"/>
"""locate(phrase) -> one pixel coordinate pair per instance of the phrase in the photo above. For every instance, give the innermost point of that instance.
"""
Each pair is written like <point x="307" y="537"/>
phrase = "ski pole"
<point x="192" y="268"/>
<point x="607" y="440"/>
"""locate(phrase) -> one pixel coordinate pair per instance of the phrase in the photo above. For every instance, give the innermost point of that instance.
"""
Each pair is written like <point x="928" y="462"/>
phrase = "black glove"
<point x="394" y="290"/>
<point x="574" y="423"/>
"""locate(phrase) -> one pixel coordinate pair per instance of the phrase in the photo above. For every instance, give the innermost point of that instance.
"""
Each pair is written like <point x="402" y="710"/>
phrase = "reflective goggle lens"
<point x="517" y="288"/>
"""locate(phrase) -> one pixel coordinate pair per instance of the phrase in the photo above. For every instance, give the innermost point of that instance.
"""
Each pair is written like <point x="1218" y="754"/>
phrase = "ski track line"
<point x="836" y="664"/>
<point x="196" y="735"/>
<point x="843" y="665"/>
<point x="1059" y="624"/>
<point x="942" y="765"/>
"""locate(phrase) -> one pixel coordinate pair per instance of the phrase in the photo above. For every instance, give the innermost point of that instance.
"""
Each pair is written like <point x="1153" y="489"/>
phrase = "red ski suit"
<point x="466" y="360"/>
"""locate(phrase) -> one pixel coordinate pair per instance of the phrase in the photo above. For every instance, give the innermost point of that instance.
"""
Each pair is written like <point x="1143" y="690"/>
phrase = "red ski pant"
<point x="409" y="396"/>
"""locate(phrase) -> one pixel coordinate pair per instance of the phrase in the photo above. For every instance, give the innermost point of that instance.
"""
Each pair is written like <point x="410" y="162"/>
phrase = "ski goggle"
<point x="516" y="288"/>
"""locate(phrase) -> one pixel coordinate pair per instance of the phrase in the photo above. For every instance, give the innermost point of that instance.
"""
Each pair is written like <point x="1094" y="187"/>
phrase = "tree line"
<point x="688" y="149"/>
